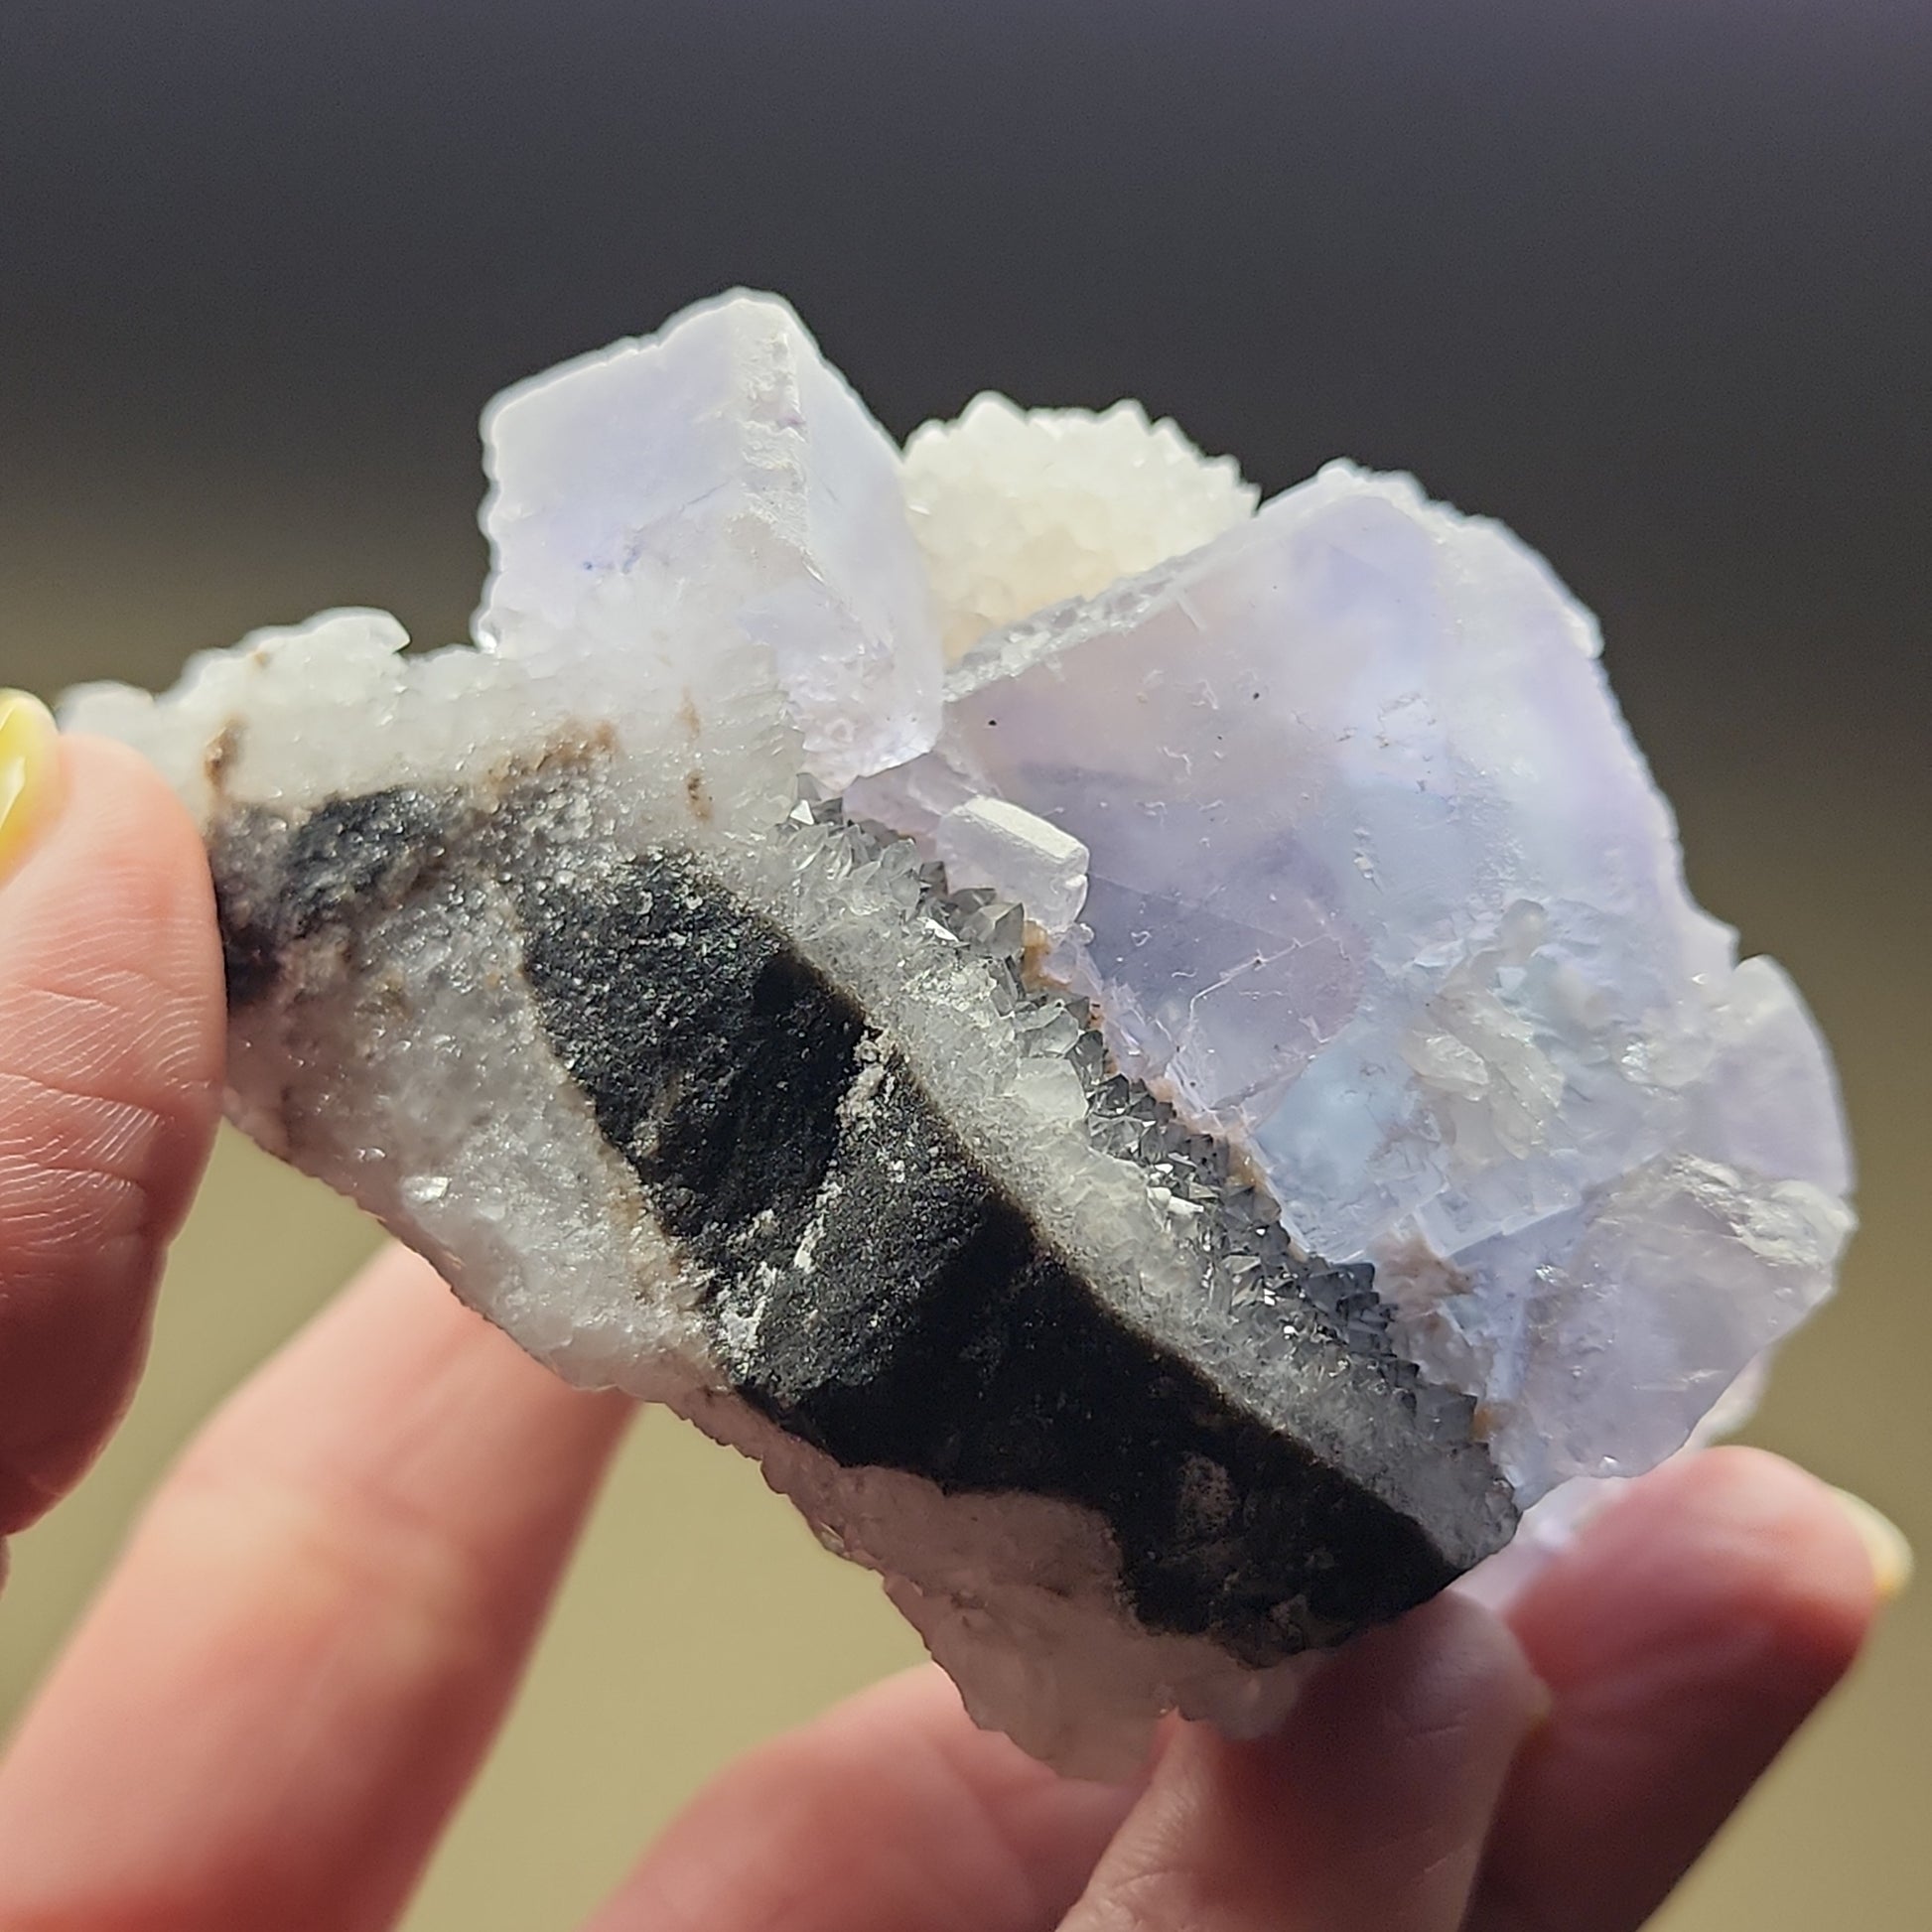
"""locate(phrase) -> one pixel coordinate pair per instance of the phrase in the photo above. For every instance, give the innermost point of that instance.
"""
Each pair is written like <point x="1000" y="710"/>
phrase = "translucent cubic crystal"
<point x="1380" y="890"/>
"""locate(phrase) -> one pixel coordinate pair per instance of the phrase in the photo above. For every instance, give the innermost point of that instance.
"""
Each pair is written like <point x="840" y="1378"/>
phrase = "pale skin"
<point x="310" y="1637"/>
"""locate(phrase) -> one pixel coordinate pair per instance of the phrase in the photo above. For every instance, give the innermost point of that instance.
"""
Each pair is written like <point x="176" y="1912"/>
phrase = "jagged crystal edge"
<point x="1250" y="1266"/>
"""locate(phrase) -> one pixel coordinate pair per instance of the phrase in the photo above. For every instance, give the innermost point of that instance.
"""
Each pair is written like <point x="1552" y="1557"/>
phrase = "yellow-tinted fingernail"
<point x="30" y="773"/>
<point x="1543" y="1708"/>
<point x="1884" y="1543"/>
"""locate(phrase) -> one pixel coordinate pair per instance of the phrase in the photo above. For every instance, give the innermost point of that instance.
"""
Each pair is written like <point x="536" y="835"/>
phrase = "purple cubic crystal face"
<point x="1380" y="890"/>
<point x="1150" y="1058"/>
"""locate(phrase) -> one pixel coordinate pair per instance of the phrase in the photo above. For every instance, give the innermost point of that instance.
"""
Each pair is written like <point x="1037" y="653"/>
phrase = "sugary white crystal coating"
<point x="1019" y="509"/>
<point x="1326" y="811"/>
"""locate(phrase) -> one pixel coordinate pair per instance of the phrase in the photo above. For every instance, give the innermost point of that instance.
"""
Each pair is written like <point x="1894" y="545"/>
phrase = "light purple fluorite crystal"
<point x="1380" y="890"/>
<point x="717" y="483"/>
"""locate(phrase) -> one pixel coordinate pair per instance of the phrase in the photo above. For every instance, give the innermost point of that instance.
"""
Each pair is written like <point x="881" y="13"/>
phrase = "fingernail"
<point x="1884" y="1543"/>
<point x="1543" y="1707"/>
<point x="30" y="773"/>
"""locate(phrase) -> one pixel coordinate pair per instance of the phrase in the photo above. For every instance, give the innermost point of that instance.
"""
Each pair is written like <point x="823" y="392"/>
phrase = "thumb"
<point x="1366" y="1813"/>
<point x="110" y="1065"/>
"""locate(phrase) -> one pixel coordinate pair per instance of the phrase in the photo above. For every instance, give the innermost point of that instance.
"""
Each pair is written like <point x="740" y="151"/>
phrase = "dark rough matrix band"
<point x="909" y="1315"/>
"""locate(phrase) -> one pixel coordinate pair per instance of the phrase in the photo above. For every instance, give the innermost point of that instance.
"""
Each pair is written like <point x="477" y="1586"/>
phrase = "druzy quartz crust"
<point x="1149" y="1056"/>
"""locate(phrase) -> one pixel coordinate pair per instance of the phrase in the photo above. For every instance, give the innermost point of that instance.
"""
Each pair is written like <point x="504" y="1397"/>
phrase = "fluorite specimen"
<point x="1150" y="1058"/>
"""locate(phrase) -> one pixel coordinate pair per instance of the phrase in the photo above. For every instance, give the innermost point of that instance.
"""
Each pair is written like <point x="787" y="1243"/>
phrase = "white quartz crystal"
<point x="991" y="843"/>
<point x="1015" y="509"/>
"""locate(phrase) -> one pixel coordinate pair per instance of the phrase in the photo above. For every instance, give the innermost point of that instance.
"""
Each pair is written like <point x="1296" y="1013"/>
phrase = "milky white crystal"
<point x="991" y="843"/>
<point x="1017" y="508"/>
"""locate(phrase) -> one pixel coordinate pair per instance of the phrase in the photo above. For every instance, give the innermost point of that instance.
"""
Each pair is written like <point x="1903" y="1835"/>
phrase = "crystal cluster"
<point x="1149" y="1057"/>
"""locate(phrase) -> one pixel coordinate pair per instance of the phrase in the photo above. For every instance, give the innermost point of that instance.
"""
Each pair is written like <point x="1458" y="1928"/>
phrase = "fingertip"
<point x="1485" y="1660"/>
<point x="1439" y="1700"/>
<point x="1367" y="1809"/>
<point x="1449" y="1668"/>
<point x="1791" y="1544"/>
<point x="1885" y="1544"/>
<point x="1736" y="1545"/>
<point x="111" y="1035"/>
<point x="122" y="828"/>
<point x="114" y="892"/>
<point x="1686" y="1635"/>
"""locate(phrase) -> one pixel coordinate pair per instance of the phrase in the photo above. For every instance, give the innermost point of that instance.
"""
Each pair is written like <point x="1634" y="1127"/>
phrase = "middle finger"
<point x="288" y="1681"/>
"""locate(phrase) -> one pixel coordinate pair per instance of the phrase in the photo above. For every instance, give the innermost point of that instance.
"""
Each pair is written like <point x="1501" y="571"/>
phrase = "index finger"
<point x="111" y="1014"/>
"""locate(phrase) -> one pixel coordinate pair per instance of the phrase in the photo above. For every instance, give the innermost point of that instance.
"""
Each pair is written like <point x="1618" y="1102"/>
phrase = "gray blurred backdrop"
<point x="1651" y="281"/>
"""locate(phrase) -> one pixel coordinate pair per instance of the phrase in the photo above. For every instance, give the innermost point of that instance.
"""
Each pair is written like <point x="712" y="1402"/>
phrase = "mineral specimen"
<point x="1164" y="1138"/>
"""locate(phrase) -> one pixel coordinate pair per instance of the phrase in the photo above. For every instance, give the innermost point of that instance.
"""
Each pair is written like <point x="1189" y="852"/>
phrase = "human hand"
<point x="269" y="1713"/>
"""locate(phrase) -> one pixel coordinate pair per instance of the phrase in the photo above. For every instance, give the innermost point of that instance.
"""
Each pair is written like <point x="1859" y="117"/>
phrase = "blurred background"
<point x="1650" y="280"/>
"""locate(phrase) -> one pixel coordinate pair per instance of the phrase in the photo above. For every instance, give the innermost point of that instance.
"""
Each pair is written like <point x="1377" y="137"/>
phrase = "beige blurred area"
<point x="701" y="1616"/>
